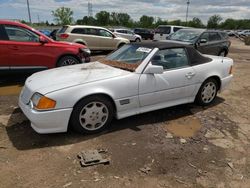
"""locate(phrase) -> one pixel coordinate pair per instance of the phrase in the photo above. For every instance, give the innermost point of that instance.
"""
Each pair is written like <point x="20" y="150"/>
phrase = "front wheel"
<point x="208" y="92"/>
<point x="92" y="114"/>
<point x="67" y="60"/>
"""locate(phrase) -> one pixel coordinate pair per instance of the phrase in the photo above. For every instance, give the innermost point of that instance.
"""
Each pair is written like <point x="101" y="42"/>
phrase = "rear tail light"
<point x="63" y="36"/>
<point x="231" y="70"/>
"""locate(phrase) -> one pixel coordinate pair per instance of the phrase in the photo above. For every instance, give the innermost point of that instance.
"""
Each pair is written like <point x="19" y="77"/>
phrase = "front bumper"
<point x="53" y="121"/>
<point x="225" y="82"/>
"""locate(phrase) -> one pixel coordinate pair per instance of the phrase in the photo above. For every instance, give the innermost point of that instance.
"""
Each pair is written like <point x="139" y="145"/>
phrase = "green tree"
<point x="214" y="21"/>
<point x="103" y="18"/>
<point x="146" y="21"/>
<point x="159" y="21"/>
<point x="196" y="22"/>
<point x="63" y="16"/>
<point x="86" y="20"/>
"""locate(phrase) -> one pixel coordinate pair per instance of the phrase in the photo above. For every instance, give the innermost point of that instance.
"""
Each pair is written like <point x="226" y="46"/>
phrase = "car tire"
<point x="120" y="45"/>
<point x="92" y="114"/>
<point x="67" y="60"/>
<point x="223" y="53"/>
<point x="207" y="92"/>
<point x="137" y="40"/>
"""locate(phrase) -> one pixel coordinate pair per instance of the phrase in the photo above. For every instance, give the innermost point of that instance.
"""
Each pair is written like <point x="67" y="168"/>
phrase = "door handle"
<point x="190" y="75"/>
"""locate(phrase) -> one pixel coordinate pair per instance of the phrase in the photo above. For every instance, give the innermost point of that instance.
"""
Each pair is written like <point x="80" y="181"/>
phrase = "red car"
<point x="24" y="48"/>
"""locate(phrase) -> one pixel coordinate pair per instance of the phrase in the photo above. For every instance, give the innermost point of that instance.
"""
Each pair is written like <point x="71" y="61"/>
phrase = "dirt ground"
<point x="183" y="146"/>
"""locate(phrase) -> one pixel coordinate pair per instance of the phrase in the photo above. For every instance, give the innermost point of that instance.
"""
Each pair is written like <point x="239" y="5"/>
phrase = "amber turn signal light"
<point x="45" y="103"/>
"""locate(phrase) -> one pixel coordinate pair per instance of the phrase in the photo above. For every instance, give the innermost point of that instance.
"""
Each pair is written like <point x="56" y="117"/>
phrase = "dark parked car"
<point x="206" y="41"/>
<point x="144" y="33"/>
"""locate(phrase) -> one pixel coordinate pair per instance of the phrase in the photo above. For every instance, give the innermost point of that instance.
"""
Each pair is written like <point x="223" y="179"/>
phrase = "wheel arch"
<point x="64" y="55"/>
<point x="216" y="77"/>
<point x="101" y="94"/>
<point x="80" y="41"/>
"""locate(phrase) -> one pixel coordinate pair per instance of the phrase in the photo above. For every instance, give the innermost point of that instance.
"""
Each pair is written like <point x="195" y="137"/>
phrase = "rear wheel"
<point x="137" y="40"/>
<point x="208" y="92"/>
<point x="67" y="60"/>
<point x="92" y="114"/>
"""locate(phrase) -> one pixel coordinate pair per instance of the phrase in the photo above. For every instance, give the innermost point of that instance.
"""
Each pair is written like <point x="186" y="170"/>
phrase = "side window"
<point x="205" y="36"/>
<point x="20" y="34"/>
<point x="91" y="31"/>
<point x="214" y="36"/>
<point x="177" y="29"/>
<point x="78" y="31"/>
<point x="104" y="33"/>
<point x="171" y="58"/>
<point x="130" y="32"/>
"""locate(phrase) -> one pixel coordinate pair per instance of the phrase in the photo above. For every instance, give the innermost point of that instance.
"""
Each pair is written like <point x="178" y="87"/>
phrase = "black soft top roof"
<point x="194" y="56"/>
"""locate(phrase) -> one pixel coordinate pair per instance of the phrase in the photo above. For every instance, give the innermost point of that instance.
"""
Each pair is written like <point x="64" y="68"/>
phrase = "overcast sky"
<point x="166" y="9"/>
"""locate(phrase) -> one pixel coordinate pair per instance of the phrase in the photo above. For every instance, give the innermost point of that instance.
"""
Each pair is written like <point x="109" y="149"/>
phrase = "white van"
<point x="163" y="31"/>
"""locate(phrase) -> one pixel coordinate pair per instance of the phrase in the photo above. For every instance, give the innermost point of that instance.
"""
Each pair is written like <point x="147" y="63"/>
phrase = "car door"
<point x="211" y="45"/>
<point x="25" y="49"/>
<point x="175" y="86"/>
<point x="106" y="39"/>
<point x="5" y="52"/>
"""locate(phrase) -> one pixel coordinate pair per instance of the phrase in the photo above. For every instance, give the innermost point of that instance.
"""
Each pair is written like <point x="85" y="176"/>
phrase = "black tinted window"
<point x="104" y="33"/>
<point x="224" y="35"/>
<point x="205" y="36"/>
<point x="214" y="37"/>
<point x="3" y="34"/>
<point x="79" y="31"/>
<point x="177" y="29"/>
<point x="91" y="31"/>
<point x="163" y="30"/>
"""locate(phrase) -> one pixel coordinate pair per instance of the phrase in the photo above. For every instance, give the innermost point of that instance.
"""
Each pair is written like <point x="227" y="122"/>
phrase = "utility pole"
<point x="28" y="6"/>
<point x="188" y="2"/>
<point x="90" y="9"/>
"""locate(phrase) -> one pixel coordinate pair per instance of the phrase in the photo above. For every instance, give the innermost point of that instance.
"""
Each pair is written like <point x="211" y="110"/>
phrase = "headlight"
<point x="85" y="50"/>
<point x="40" y="102"/>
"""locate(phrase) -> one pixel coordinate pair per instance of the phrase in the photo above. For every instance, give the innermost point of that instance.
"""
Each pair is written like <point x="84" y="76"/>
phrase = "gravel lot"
<point x="183" y="146"/>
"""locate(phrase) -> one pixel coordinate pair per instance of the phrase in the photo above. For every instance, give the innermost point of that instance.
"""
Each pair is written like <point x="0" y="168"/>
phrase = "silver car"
<point x="125" y="33"/>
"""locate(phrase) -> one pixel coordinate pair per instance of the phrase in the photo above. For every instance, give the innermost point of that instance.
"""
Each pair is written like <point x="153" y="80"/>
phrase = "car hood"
<point x="59" y="78"/>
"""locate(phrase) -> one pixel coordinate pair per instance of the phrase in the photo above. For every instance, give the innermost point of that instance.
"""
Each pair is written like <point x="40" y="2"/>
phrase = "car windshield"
<point x="185" y="35"/>
<point x="128" y="57"/>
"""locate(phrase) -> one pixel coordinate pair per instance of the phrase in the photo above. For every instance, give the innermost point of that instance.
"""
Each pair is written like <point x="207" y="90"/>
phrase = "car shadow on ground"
<point x="23" y="137"/>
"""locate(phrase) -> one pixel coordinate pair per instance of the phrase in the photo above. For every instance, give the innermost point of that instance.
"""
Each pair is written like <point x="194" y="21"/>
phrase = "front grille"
<point x="26" y="94"/>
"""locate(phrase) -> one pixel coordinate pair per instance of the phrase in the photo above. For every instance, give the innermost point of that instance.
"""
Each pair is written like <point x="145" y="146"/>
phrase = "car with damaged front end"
<point x="134" y="79"/>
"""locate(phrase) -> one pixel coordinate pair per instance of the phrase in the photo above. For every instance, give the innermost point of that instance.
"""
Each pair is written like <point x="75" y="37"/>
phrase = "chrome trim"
<point x="4" y="68"/>
<point x="28" y="67"/>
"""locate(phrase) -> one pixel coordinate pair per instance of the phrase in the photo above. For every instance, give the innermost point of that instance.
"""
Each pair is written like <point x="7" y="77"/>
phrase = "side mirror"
<point x="202" y="41"/>
<point x="154" y="69"/>
<point x="43" y="40"/>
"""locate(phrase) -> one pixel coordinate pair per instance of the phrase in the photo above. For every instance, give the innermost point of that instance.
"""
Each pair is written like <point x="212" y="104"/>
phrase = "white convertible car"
<point x="136" y="78"/>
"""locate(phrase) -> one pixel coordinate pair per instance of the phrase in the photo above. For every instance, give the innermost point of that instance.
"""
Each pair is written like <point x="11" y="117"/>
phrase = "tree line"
<point x="64" y="16"/>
